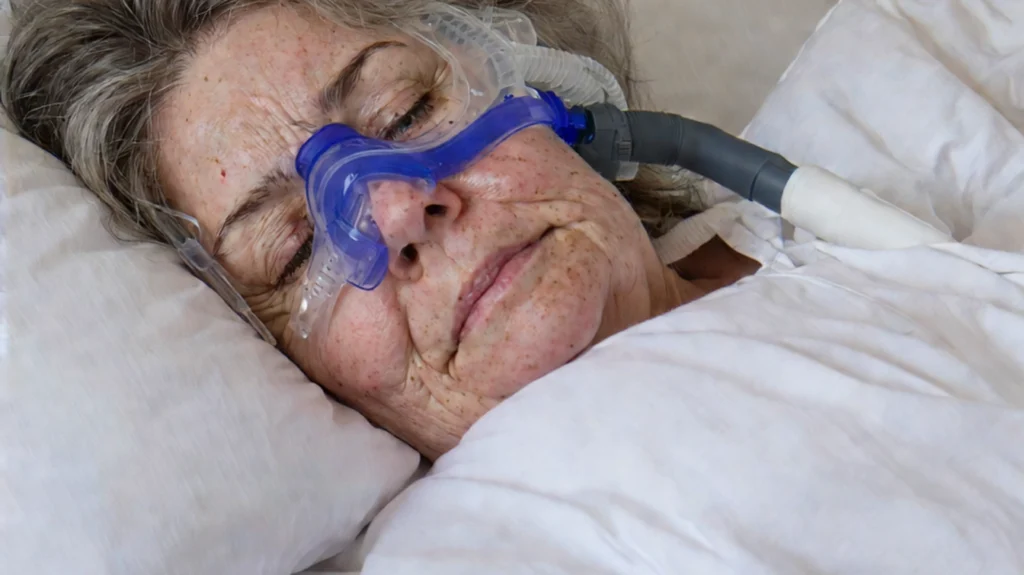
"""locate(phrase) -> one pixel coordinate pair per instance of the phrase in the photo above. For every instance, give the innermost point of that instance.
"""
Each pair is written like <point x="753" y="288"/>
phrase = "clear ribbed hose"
<point x="577" y="79"/>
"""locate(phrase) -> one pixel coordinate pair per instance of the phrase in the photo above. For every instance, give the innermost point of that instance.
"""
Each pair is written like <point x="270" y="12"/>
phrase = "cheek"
<point x="365" y="349"/>
<point x="555" y="320"/>
<point x="532" y="165"/>
<point x="592" y="263"/>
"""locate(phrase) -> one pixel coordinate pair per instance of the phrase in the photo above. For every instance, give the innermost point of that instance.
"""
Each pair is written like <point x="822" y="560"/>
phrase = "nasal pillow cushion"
<point x="143" y="427"/>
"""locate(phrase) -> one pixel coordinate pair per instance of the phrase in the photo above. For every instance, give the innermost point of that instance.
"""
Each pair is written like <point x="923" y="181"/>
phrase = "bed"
<point x="861" y="414"/>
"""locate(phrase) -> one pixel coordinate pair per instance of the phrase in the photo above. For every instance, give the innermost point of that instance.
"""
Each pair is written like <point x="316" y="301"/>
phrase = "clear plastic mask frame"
<point x="486" y="101"/>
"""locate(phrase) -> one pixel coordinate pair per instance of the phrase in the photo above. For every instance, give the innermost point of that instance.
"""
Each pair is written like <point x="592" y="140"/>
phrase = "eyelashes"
<point x="420" y="116"/>
<point x="298" y="260"/>
<point x="413" y="117"/>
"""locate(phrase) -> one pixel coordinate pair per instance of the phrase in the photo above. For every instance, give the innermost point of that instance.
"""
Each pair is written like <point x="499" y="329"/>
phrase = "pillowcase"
<point x="144" y="428"/>
<point x="928" y="113"/>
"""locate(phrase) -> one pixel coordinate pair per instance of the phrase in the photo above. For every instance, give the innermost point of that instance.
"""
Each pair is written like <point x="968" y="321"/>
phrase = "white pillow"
<point x="918" y="100"/>
<point x="143" y="427"/>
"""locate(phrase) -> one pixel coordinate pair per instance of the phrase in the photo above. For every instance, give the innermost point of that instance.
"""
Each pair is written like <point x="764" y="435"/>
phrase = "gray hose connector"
<point x="734" y="163"/>
<point x="608" y="142"/>
<point x="663" y="139"/>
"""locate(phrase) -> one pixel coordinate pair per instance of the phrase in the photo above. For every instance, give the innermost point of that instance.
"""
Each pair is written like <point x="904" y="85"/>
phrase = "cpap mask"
<point x="483" y="100"/>
<point x="500" y="83"/>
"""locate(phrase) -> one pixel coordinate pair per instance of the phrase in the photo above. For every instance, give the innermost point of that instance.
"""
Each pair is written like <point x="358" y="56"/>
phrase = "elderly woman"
<point x="506" y="271"/>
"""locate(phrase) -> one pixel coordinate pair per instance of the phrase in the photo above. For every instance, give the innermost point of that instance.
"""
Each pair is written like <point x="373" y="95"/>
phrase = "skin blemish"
<point x="223" y="175"/>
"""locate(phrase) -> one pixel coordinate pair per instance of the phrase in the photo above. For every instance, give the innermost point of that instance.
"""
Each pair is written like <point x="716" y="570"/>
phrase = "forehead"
<point x="245" y="103"/>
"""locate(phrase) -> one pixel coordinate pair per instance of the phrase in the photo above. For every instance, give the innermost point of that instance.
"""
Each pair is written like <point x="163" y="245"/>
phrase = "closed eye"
<point x="416" y="113"/>
<point x="300" y="258"/>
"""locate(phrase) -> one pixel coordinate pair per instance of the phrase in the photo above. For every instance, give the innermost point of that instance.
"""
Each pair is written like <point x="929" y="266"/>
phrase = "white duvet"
<point x="861" y="414"/>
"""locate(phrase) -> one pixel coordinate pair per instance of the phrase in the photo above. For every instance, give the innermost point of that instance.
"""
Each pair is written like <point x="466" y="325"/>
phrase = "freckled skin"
<point x="245" y="105"/>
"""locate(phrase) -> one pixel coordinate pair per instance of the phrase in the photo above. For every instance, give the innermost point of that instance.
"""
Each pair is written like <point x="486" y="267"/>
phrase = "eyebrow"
<point x="340" y="88"/>
<point x="330" y="98"/>
<point x="255" y="201"/>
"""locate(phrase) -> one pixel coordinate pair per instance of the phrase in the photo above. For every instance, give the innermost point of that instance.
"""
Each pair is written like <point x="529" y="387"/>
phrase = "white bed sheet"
<point x="863" y="414"/>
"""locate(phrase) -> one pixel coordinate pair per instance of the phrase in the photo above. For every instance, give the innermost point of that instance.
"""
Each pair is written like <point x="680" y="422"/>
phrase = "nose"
<point x="409" y="215"/>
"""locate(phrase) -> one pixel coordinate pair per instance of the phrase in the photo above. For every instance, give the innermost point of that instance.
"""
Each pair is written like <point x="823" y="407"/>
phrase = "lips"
<point x="482" y="281"/>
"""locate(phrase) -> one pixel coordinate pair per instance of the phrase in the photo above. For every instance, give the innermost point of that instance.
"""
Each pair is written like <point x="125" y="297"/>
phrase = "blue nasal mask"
<point x="482" y="101"/>
<point x="342" y="169"/>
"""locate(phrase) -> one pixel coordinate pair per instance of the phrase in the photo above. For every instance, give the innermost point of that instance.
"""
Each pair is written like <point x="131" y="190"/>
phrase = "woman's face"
<point x="506" y="272"/>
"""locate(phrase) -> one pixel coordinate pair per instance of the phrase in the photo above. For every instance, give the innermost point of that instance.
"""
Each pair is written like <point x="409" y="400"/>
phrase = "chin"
<point x="516" y="372"/>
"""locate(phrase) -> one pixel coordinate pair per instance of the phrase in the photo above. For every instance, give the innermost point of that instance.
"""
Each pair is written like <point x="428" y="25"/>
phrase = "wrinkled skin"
<point x="399" y="354"/>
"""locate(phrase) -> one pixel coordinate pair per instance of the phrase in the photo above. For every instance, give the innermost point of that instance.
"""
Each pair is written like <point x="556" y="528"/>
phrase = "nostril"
<point x="436" y="210"/>
<point x="409" y="254"/>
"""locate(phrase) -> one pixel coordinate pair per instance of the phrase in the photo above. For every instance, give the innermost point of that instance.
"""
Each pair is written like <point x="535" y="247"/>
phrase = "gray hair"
<point x="83" y="79"/>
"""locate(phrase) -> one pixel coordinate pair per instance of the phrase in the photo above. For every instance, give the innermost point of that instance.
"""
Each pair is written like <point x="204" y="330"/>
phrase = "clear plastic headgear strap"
<point x="578" y="80"/>
<point x="204" y="266"/>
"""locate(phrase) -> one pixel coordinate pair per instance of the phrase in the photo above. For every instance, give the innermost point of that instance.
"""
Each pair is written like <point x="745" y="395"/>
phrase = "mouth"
<point x="490" y="281"/>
